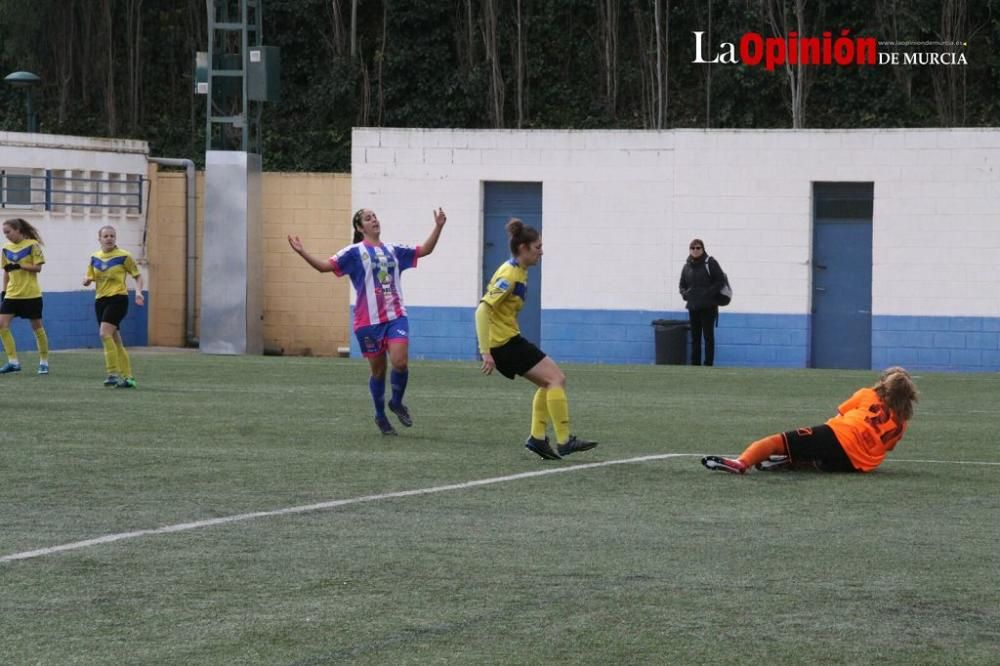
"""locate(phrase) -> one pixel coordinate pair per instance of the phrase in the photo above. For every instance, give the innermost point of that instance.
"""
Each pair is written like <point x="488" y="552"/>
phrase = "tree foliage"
<point x="125" y="68"/>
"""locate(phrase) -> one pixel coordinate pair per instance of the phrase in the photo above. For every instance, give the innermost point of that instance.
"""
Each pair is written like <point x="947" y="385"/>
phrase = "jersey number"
<point x="877" y="419"/>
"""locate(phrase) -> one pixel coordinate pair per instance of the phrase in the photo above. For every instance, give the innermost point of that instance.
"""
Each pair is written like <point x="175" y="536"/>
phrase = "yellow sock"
<point x="124" y="362"/>
<point x="8" y="345"/>
<point x="559" y="411"/>
<point x="43" y="345"/>
<point x="539" y="414"/>
<point x="110" y="355"/>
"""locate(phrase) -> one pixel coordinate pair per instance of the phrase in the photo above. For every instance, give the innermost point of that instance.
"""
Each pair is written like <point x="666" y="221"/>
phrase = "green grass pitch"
<point x="646" y="562"/>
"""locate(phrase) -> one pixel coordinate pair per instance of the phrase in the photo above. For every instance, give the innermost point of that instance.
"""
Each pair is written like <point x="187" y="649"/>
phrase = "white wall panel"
<point x="620" y="196"/>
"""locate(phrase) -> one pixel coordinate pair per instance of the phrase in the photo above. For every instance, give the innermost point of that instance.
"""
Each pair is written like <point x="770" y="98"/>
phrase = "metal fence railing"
<point x="55" y="190"/>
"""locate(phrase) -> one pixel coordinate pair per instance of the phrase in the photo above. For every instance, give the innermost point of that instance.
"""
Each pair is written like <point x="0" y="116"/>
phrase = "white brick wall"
<point x="71" y="235"/>
<point x="622" y="202"/>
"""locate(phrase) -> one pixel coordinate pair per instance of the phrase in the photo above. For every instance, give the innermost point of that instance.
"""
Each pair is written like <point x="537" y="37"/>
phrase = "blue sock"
<point x="398" y="381"/>
<point x="377" y="389"/>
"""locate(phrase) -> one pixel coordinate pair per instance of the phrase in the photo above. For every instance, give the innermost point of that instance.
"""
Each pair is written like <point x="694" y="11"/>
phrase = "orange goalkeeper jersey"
<point x="866" y="429"/>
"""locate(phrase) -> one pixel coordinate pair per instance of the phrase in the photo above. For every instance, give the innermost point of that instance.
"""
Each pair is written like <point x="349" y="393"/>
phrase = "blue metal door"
<point x="502" y="201"/>
<point x="842" y="293"/>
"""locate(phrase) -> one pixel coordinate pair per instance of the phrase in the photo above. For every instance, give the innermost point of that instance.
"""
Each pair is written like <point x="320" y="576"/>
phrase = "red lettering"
<point x="757" y="42"/>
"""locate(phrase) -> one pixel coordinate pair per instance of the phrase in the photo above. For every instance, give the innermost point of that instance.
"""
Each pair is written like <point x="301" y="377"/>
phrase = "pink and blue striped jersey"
<point x="375" y="273"/>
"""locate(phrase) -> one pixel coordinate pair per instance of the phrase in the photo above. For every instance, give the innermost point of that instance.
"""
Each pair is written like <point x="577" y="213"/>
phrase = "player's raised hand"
<point x="439" y="217"/>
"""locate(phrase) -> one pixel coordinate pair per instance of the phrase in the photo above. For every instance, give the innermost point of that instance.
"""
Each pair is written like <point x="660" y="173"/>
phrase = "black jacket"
<point x="700" y="286"/>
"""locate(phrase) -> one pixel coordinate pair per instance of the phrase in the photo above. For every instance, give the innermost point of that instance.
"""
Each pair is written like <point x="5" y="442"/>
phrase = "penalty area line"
<point x="323" y="506"/>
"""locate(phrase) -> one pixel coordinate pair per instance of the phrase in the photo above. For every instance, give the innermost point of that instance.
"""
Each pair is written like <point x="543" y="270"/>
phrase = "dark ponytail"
<point x="520" y="234"/>
<point x="356" y="224"/>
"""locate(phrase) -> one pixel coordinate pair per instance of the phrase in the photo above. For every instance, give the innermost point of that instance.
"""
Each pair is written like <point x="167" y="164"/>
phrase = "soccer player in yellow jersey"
<point x="867" y="426"/>
<point x="108" y="267"/>
<point x="503" y="348"/>
<point x="22" y="296"/>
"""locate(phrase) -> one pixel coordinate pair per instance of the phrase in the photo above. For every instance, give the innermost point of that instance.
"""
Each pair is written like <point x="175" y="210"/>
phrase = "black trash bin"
<point x="671" y="339"/>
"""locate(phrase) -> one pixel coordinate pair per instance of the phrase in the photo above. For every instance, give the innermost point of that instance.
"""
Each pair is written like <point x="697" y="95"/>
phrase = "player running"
<point x="22" y="261"/>
<point x="503" y="348"/>
<point x="108" y="267"/>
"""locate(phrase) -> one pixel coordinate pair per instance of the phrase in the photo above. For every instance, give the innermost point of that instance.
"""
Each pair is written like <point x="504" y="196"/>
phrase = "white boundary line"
<point x="322" y="506"/>
<point x="942" y="462"/>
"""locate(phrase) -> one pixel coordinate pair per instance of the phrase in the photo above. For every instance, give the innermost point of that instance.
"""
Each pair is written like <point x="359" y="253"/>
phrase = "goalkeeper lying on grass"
<point x="867" y="426"/>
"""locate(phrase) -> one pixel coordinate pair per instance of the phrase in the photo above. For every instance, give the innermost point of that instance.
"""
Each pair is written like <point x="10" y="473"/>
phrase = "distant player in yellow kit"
<point x="22" y="261"/>
<point x="867" y="426"/>
<point x="108" y="268"/>
<point x="503" y="348"/>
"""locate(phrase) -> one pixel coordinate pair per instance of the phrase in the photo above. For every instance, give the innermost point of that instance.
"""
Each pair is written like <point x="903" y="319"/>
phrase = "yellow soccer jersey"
<point x="23" y="284"/>
<point x="108" y="270"/>
<point x="505" y="296"/>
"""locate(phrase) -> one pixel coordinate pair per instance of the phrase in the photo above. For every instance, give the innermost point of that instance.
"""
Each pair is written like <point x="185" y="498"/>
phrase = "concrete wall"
<point x="619" y="208"/>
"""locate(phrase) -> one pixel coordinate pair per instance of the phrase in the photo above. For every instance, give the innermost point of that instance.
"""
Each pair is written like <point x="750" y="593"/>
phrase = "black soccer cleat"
<point x="402" y="413"/>
<point x="720" y="464"/>
<point x="574" y="444"/>
<point x="384" y="426"/>
<point x="541" y="447"/>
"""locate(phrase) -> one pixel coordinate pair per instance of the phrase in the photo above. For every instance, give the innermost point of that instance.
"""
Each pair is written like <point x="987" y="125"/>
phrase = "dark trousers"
<point x="703" y="324"/>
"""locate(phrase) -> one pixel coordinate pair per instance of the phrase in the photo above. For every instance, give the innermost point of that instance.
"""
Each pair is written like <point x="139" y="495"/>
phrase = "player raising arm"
<point x="380" y="323"/>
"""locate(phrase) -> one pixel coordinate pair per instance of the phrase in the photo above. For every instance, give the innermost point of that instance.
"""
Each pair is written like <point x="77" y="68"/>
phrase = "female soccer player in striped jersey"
<point x="503" y="348"/>
<point x="380" y="323"/>
<point x="22" y="261"/>
<point x="108" y="267"/>
<point x="867" y="426"/>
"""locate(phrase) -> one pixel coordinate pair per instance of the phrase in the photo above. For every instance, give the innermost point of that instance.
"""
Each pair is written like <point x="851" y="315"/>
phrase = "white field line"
<point x="942" y="462"/>
<point x="322" y="506"/>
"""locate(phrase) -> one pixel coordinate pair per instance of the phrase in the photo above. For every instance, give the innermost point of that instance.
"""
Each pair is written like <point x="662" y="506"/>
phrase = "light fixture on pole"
<point x="26" y="81"/>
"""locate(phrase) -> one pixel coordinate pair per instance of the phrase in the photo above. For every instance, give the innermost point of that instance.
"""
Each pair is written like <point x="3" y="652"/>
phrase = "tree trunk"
<point x="381" y="61"/>
<point x="354" y="28"/>
<point x="520" y="66"/>
<point x="133" y="39"/>
<point x="891" y="17"/>
<point x="609" y="32"/>
<point x="708" y="73"/>
<point x="661" y="32"/>
<point x="946" y="79"/>
<point x="647" y="68"/>
<point x="338" y="31"/>
<point x="64" y="52"/>
<point x="490" y="37"/>
<point x="110" y="103"/>
<point x="799" y="77"/>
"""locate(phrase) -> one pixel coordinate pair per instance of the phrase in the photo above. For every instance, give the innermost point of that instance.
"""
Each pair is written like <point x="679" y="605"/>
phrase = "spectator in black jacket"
<point x="701" y="280"/>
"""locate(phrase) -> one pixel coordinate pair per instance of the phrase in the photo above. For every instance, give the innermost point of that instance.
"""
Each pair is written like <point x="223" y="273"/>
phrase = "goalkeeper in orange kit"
<point x="867" y="426"/>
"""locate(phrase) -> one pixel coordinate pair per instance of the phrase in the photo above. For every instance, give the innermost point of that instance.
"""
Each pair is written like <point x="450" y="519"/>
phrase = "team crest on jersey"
<point x="501" y="285"/>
